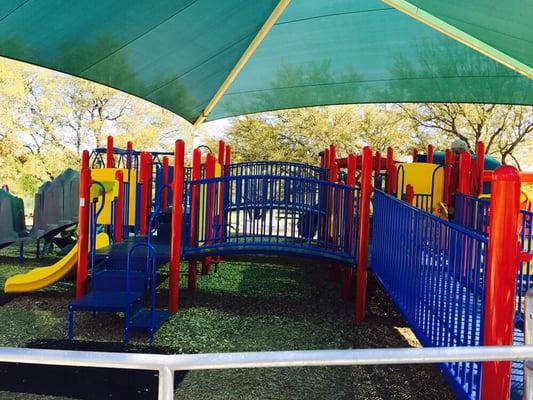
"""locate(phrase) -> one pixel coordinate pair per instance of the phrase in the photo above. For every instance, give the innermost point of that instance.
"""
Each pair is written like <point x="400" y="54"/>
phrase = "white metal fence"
<point x="167" y="364"/>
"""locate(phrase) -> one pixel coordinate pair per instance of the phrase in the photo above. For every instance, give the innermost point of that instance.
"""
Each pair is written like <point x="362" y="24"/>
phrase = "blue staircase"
<point x="125" y="281"/>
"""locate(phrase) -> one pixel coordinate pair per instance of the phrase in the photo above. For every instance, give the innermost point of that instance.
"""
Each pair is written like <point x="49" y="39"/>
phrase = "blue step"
<point x="141" y="320"/>
<point x="108" y="301"/>
<point x="115" y="281"/>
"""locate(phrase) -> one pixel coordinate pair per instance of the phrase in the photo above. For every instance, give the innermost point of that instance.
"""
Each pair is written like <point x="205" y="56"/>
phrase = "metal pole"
<point x="83" y="225"/>
<point x="528" y="340"/>
<point x="364" y="227"/>
<point x="119" y="213"/>
<point x="500" y="294"/>
<point x="390" y="170"/>
<point x="110" y="162"/>
<point x="465" y="164"/>
<point x="166" y="384"/>
<point x="176" y="223"/>
<point x="431" y="150"/>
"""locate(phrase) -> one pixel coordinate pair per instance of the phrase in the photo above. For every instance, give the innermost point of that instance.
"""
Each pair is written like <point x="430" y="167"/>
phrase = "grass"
<point x="246" y="307"/>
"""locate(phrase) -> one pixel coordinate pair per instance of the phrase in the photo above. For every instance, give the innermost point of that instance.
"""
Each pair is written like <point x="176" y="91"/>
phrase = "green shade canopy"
<point x="178" y="53"/>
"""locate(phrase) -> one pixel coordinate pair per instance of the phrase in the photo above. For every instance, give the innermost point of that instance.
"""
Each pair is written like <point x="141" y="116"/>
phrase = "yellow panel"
<point x="107" y="177"/>
<point x="420" y="176"/>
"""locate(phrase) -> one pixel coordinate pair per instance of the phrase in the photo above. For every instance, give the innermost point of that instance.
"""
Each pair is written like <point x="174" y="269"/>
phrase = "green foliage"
<point x="300" y="134"/>
<point x="47" y="119"/>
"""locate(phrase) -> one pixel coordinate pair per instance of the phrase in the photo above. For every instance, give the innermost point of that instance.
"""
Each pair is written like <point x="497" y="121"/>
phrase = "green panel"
<point x="504" y="25"/>
<point x="177" y="53"/>
<point x="174" y="53"/>
<point x="364" y="52"/>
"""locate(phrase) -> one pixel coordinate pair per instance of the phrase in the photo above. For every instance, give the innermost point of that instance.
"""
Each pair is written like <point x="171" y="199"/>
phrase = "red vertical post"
<point x="222" y="148"/>
<point x="146" y="191"/>
<point x="448" y="160"/>
<point x="390" y="173"/>
<point x="83" y="225"/>
<point x="503" y="262"/>
<point x="409" y="194"/>
<point x="326" y="158"/>
<point x="364" y="228"/>
<point x="332" y="154"/>
<point x="195" y="197"/>
<point x="176" y="223"/>
<point x="110" y="162"/>
<point x="480" y="161"/>
<point x="164" y="194"/>
<point x="350" y="229"/>
<point x="431" y="151"/>
<point x="377" y="164"/>
<point x="119" y="210"/>
<point x="221" y="151"/>
<point x="129" y="148"/>
<point x="415" y="155"/>
<point x="210" y="209"/>
<point x="227" y="160"/>
<point x="465" y="161"/>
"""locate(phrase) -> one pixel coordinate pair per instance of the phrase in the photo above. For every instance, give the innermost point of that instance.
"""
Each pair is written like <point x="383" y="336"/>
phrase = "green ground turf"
<point x="246" y="307"/>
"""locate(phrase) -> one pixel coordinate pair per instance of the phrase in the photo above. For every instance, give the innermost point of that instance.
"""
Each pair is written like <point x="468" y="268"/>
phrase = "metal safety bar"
<point x="167" y="364"/>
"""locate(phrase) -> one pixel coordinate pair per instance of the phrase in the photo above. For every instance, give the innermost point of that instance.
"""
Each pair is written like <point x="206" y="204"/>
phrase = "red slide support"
<point x="83" y="226"/>
<point x="503" y="262"/>
<point x="364" y="228"/>
<point x="119" y="209"/>
<point x="176" y="222"/>
<point x="110" y="161"/>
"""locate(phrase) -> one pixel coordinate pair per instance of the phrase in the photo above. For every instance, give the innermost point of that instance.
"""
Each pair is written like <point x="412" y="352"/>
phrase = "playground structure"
<point x="446" y="276"/>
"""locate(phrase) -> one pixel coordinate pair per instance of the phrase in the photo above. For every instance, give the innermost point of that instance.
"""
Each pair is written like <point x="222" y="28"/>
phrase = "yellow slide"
<point x="42" y="277"/>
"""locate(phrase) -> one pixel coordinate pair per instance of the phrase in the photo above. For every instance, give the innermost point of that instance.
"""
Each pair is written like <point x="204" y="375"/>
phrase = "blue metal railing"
<point x="151" y="275"/>
<point x="473" y="213"/>
<point x="276" y="168"/>
<point x="434" y="271"/>
<point x="268" y="213"/>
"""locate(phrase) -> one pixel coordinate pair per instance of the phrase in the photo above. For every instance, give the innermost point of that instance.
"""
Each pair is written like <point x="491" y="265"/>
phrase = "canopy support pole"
<point x="267" y="26"/>
<point x="449" y="30"/>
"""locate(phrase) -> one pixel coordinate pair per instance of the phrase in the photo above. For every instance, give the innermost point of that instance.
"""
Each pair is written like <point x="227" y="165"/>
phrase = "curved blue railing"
<point x="277" y="168"/>
<point x="273" y="214"/>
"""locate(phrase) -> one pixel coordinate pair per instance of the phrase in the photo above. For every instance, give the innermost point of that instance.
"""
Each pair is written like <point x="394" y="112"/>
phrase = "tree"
<point x="506" y="130"/>
<point x="300" y="134"/>
<point x="47" y="119"/>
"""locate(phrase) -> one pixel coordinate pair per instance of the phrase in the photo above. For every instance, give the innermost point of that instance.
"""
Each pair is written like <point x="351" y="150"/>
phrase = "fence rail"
<point x="291" y="214"/>
<point x="473" y="213"/>
<point x="167" y="364"/>
<point x="434" y="270"/>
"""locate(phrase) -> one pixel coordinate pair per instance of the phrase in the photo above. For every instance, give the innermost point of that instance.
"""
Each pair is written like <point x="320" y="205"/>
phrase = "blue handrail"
<point x="94" y="220"/>
<point x="152" y="272"/>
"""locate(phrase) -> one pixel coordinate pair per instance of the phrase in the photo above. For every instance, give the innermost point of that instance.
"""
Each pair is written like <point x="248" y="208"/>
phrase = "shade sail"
<point x="178" y="53"/>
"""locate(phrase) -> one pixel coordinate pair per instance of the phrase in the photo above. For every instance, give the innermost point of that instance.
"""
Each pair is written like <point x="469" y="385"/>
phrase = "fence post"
<point x="390" y="173"/>
<point x="528" y="340"/>
<point x="480" y="161"/>
<point x="119" y="210"/>
<point x="195" y="198"/>
<point x="431" y="150"/>
<point x="500" y="294"/>
<point x="209" y="209"/>
<point x="409" y="194"/>
<point x="347" y="275"/>
<point x="110" y="162"/>
<point x="364" y="227"/>
<point x="177" y="229"/>
<point x="83" y="225"/>
<point x="164" y="195"/>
